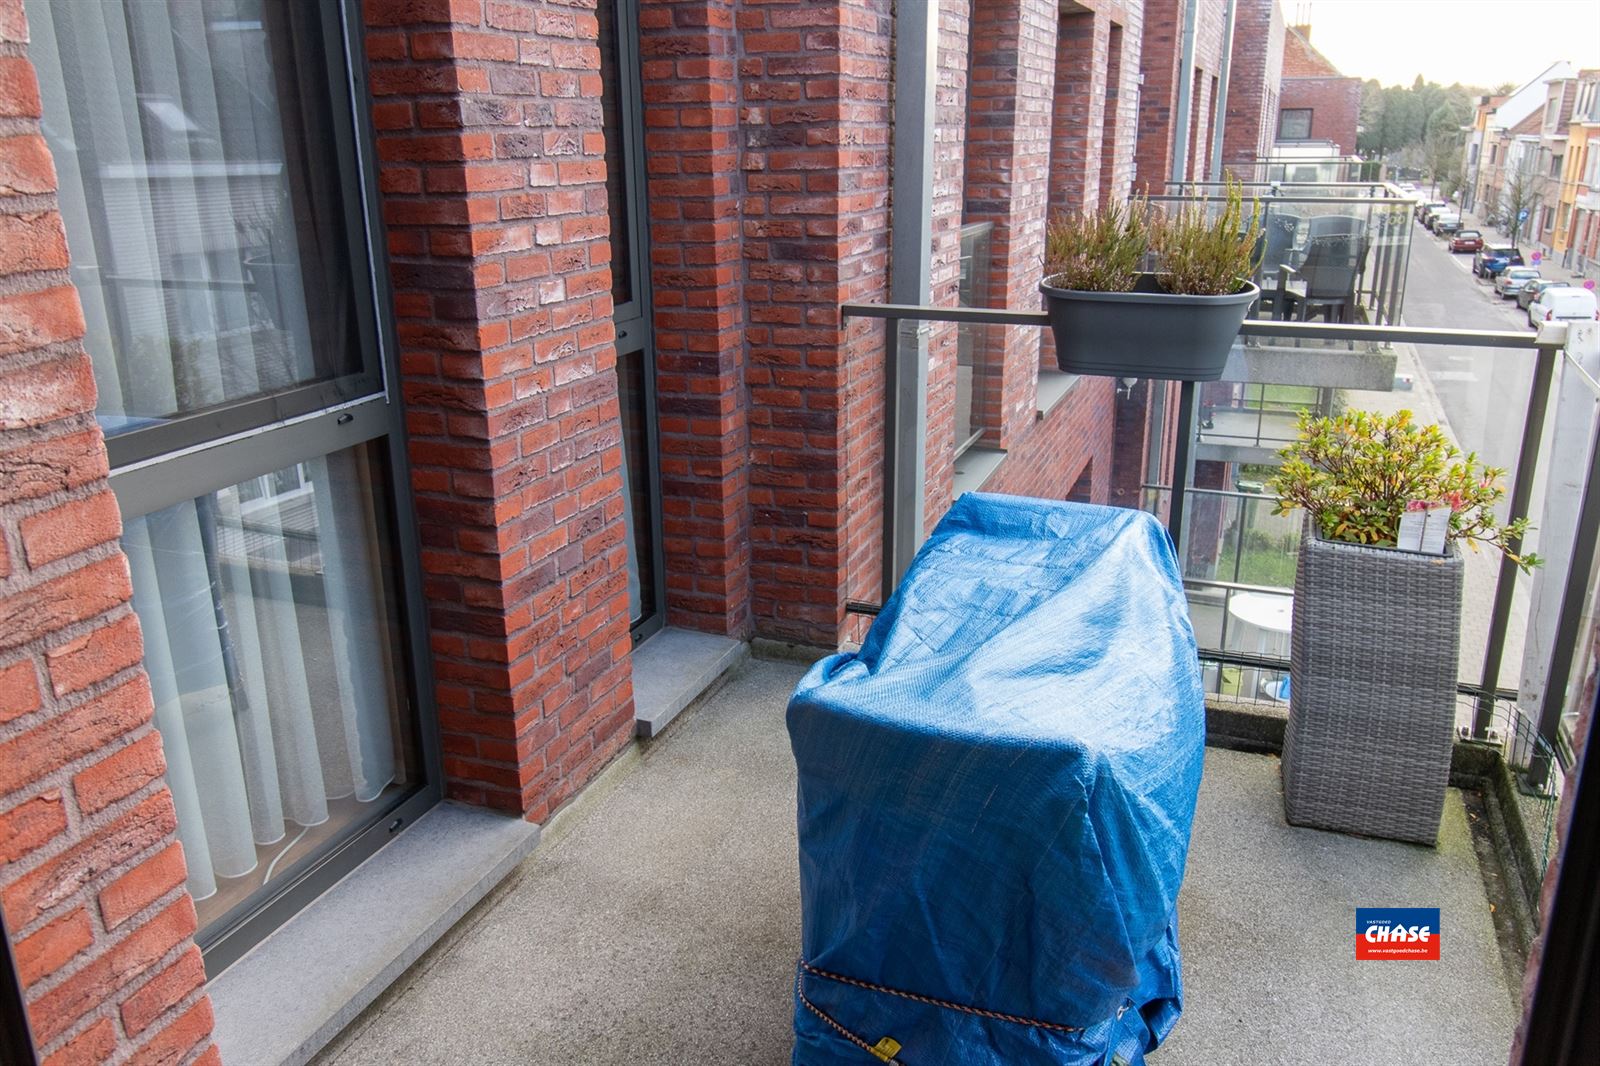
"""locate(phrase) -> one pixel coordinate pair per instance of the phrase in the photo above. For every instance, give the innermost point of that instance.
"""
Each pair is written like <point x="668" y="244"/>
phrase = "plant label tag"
<point x="1423" y="528"/>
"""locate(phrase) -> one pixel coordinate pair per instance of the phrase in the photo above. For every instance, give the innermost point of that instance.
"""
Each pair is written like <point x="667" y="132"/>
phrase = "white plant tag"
<point x="1423" y="530"/>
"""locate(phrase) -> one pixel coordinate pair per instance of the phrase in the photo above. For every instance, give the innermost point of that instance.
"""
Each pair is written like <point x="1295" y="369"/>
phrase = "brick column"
<point x="1079" y="117"/>
<point x="91" y="873"/>
<point x="814" y="95"/>
<point x="1007" y="178"/>
<point x="491" y="145"/>
<point x="949" y="195"/>
<point x="688" y="49"/>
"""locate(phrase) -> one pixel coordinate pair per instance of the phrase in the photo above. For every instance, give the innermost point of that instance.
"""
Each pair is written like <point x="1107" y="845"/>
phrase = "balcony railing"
<point x="1238" y="556"/>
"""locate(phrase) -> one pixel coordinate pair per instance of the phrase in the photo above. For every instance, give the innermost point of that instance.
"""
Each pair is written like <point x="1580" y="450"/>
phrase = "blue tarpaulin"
<point x="995" y="798"/>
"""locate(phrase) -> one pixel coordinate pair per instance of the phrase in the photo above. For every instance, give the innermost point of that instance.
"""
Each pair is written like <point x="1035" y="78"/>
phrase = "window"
<point x="1555" y="165"/>
<point x="972" y="378"/>
<point x="1294" y="124"/>
<point x="212" y="197"/>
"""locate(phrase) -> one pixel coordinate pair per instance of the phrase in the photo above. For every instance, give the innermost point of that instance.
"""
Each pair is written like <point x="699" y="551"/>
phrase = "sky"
<point x="1474" y="42"/>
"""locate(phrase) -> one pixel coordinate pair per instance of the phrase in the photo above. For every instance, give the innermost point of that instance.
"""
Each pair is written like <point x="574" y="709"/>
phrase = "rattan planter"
<point x="1373" y="689"/>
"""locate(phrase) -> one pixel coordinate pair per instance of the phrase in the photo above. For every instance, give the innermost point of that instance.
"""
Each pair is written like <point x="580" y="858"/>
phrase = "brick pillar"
<point x="691" y="123"/>
<point x="949" y="194"/>
<point x="1161" y="51"/>
<point x="814" y="96"/>
<point x="1079" y="119"/>
<point x="1007" y="178"/>
<point x="1117" y="118"/>
<point x="91" y="873"/>
<point x="492" y="170"/>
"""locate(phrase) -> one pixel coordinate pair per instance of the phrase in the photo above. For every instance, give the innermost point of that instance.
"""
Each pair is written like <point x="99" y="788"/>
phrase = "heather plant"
<point x="1357" y="473"/>
<point x="1201" y="256"/>
<point x="1097" y="251"/>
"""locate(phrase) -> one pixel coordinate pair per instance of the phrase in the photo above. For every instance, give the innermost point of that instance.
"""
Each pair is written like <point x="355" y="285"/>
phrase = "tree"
<point x="1522" y="192"/>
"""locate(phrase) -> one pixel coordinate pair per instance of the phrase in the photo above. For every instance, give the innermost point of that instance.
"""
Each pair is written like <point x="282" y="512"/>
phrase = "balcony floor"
<point x="659" y="921"/>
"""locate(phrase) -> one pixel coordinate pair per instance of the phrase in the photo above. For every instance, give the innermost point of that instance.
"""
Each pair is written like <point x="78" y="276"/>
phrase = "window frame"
<point x="1285" y="112"/>
<point x="199" y="428"/>
<point x="151" y="471"/>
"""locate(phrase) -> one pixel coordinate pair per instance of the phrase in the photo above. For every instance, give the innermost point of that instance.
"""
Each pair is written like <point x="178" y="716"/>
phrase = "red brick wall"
<point x="91" y="873"/>
<point x="1335" y="107"/>
<point x="1079" y="118"/>
<point x="689" y="54"/>
<point x="949" y="194"/>
<point x="1160" y="59"/>
<point x="1007" y="181"/>
<point x="492" y="171"/>
<point x="1301" y="60"/>
<point x="1075" y="437"/>
<point x="1253" y="79"/>
<point x="814" y="95"/>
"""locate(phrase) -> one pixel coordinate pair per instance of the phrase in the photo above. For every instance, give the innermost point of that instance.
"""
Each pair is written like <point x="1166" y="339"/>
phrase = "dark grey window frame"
<point x="635" y="319"/>
<point x="227" y="445"/>
<point x="1287" y="111"/>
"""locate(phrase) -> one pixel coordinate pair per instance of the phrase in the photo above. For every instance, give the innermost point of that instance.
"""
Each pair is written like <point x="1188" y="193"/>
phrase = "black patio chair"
<point x="1327" y="280"/>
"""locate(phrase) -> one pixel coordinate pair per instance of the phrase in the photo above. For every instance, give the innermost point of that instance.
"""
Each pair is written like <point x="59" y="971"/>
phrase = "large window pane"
<point x="273" y="644"/>
<point x="201" y="191"/>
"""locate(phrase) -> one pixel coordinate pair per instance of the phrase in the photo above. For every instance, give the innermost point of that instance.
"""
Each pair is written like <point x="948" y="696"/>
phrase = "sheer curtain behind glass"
<point x="199" y="178"/>
<point x="204" y="233"/>
<point x="270" y="653"/>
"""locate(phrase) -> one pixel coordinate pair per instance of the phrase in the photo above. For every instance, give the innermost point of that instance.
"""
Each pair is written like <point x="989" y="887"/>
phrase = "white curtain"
<point x="185" y="210"/>
<point x="193" y="223"/>
<point x="263" y="622"/>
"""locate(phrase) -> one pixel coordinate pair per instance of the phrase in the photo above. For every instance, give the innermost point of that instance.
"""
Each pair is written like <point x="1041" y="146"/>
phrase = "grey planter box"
<point x="1372" y="702"/>
<point x="1146" y="333"/>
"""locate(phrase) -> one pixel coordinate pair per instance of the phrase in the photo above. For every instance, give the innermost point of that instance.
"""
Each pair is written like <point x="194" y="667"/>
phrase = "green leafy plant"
<point x="1356" y="473"/>
<point x="1201" y="256"/>
<point x="1097" y="251"/>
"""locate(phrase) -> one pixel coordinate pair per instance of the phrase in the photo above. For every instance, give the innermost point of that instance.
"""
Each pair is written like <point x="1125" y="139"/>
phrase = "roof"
<point x="1530" y="98"/>
<point x="1301" y="60"/>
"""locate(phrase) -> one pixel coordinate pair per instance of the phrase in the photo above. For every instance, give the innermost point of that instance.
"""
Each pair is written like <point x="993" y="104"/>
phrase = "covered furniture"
<point x="995" y="797"/>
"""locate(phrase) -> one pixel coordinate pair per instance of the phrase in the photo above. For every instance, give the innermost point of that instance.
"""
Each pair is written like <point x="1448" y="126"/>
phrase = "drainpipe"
<point x="1181" y="116"/>
<point x="916" y="48"/>
<point x="1222" y="92"/>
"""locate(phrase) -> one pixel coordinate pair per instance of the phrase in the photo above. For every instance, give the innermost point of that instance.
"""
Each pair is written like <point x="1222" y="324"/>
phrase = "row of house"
<point x="1529" y="164"/>
<point x="384" y="385"/>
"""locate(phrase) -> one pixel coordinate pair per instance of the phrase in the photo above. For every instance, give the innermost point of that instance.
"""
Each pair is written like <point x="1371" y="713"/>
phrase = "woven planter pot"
<point x="1373" y="654"/>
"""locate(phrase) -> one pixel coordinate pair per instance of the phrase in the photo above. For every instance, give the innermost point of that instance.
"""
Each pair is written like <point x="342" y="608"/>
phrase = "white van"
<point x="1563" y="302"/>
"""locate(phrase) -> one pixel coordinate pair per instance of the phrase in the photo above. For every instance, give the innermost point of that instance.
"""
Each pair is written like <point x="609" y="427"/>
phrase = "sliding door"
<point x="215" y="190"/>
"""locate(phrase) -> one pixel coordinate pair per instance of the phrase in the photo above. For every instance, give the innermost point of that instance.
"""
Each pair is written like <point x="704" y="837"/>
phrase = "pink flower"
<point x="1417" y="505"/>
<point x="1454" y="500"/>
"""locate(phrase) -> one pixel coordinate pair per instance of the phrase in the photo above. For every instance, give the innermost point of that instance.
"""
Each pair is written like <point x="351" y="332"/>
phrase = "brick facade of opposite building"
<point x="767" y="160"/>
<point x="1254" y="84"/>
<point x="1311" y="82"/>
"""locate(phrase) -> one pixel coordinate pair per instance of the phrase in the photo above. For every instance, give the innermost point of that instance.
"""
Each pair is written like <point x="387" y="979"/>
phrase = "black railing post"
<point x="1505" y="585"/>
<point x="891" y="457"/>
<point x="1180" y="470"/>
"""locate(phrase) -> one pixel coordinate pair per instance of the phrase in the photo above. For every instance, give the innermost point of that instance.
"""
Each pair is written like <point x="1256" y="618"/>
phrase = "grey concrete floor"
<point x="659" y="924"/>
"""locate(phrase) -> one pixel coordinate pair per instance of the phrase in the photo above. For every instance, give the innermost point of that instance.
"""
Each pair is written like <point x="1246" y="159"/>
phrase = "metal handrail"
<point x="1544" y="345"/>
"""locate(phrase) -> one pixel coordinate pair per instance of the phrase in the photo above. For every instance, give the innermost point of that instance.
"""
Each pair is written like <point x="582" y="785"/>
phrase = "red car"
<point x="1468" y="240"/>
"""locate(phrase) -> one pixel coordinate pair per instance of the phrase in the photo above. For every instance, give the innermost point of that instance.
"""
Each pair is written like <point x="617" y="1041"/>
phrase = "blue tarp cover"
<point x="995" y="796"/>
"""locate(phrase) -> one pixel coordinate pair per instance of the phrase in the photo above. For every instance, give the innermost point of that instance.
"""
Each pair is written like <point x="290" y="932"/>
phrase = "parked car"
<point x="1492" y="259"/>
<point x="1512" y="278"/>
<point x="1424" y="207"/>
<point x="1446" y="222"/>
<point x="1467" y="240"/>
<point x="1563" y="303"/>
<point x="1530" y="290"/>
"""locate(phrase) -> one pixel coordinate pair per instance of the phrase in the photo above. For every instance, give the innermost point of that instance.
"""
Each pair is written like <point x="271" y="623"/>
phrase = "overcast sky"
<point x="1475" y="42"/>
